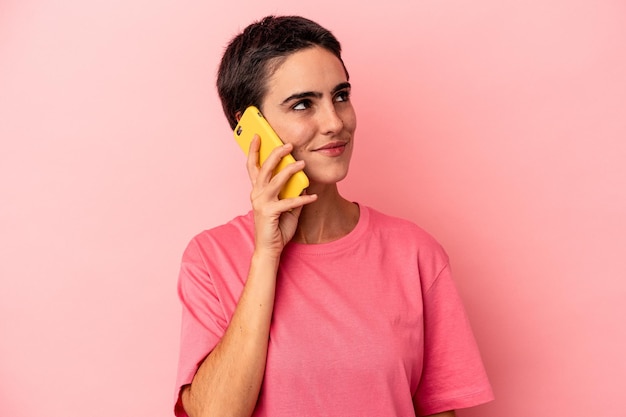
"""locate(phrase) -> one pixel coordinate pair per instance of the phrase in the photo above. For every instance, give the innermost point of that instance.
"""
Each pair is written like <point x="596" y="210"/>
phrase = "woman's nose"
<point x="331" y="122"/>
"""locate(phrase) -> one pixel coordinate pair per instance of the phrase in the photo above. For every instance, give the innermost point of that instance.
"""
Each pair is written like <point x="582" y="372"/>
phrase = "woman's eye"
<point x="302" y="105"/>
<point x="342" y="96"/>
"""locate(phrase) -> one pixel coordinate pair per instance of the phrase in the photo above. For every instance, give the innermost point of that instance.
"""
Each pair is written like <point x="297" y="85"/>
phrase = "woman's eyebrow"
<point x="341" y="86"/>
<point x="305" y="94"/>
<point x="315" y="94"/>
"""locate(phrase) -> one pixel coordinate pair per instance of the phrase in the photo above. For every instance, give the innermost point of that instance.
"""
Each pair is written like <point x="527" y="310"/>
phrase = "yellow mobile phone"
<point x="252" y="122"/>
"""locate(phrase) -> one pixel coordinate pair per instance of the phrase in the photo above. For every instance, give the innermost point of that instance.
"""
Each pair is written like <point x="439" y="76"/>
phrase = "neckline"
<point x="345" y="242"/>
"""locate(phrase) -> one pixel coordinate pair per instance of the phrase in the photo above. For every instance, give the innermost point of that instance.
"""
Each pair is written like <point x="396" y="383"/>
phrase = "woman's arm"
<point x="228" y="382"/>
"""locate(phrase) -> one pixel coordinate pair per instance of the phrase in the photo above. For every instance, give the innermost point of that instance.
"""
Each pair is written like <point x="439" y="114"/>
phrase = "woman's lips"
<point x="333" y="148"/>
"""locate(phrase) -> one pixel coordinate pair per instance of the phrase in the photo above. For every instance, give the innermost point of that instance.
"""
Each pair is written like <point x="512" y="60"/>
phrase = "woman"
<point x="315" y="305"/>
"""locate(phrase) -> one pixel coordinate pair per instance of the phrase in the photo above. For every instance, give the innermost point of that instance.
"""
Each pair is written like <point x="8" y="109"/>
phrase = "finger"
<point x="252" y="163"/>
<point x="278" y="181"/>
<point x="296" y="203"/>
<point x="269" y="165"/>
<point x="287" y="172"/>
<point x="277" y="208"/>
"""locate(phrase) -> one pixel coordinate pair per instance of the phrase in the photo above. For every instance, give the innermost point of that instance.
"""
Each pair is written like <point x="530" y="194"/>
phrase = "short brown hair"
<point x="252" y="57"/>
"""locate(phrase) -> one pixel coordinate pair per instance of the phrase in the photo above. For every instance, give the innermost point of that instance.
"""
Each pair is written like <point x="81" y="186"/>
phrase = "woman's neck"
<point x="329" y="218"/>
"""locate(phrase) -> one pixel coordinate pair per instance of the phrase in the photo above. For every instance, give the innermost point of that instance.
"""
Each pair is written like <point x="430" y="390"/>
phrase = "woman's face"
<point x="308" y="105"/>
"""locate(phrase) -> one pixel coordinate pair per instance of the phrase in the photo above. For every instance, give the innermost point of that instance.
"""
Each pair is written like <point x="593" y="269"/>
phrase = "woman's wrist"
<point x="267" y="257"/>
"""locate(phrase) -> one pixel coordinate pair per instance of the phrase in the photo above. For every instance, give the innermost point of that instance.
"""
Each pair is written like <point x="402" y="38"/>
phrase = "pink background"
<point x="499" y="126"/>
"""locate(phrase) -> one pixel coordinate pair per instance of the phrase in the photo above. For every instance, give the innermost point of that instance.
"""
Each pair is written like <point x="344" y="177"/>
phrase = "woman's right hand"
<point x="275" y="220"/>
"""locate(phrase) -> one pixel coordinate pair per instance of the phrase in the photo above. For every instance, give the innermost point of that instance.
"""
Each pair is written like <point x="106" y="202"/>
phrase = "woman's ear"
<point x="238" y="115"/>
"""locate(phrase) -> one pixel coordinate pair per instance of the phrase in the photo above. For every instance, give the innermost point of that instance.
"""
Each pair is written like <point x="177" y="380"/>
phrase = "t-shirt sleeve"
<point x="453" y="374"/>
<point x="203" y="323"/>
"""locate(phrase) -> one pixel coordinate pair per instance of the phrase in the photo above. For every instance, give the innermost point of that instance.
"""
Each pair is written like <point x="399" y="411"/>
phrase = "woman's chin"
<point x="327" y="178"/>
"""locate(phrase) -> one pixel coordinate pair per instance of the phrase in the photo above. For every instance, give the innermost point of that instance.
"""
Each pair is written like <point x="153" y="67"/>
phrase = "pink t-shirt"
<point x="360" y="325"/>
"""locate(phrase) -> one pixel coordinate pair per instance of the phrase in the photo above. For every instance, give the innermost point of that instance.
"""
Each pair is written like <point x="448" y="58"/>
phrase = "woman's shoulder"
<point x="235" y="233"/>
<point x="397" y="225"/>
<point x="408" y="241"/>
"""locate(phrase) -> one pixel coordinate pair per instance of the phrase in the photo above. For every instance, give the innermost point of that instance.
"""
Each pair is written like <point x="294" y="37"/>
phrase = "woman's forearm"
<point x="228" y="381"/>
